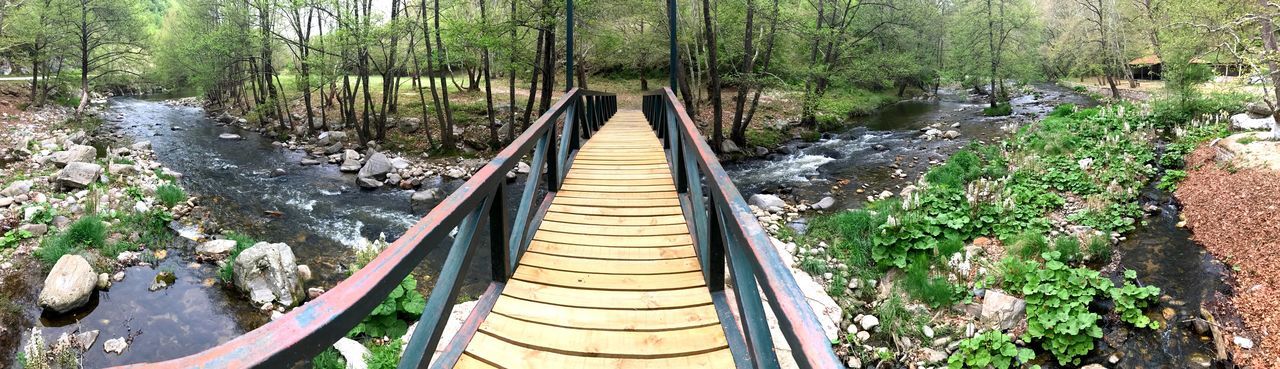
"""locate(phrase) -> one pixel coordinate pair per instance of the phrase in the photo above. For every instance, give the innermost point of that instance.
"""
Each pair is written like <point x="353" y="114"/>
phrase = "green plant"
<point x="1063" y="110"/>
<point x="87" y="232"/>
<point x="764" y="137"/>
<point x="227" y="274"/>
<point x="164" y="176"/>
<point x="813" y="265"/>
<point x="388" y="318"/>
<point x="12" y="237"/>
<point x="1029" y="244"/>
<point x="936" y="291"/>
<point x="385" y="356"/>
<point x="113" y="249"/>
<point x="328" y="359"/>
<point x="1130" y="301"/>
<point x="43" y="215"/>
<point x="1014" y="271"/>
<point x="1000" y="110"/>
<point x="134" y="193"/>
<point x="1169" y="182"/>
<point x="1100" y="248"/>
<point x="170" y="195"/>
<point x="1058" y="316"/>
<point x="1069" y="248"/>
<point x="992" y="349"/>
<point x="897" y="321"/>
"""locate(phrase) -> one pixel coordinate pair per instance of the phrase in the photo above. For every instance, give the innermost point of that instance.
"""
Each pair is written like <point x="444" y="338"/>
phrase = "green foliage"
<point x="851" y="102"/>
<point x="170" y="195"/>
<point x="151" y="226"/>
<point x="12" y="237"/>
<point x="936" y="291"/>
<point x="1029" y="244"/>
<point x="813" y="266"/>
<point x="1014" y="271"/>
<point x="1000" y="110"/>
<point x="897" y="321"/>
<point x="1130" y="301"/>
<point x="1063" y="110"/>
<point x="88" y="232"/>
<point x="385" y="356"/>
<point x="134" y="193"/>
<point x="227" y="274"/>
<point x="849" y="234"/>
<point x="44" y="215"/>
<point x="1100" y="249"/>
<point x="1058" y="316"/>
<point x="390" y="318"/>
<point x="767" y="138"/>
<point x="1169" y="182"/>
<point x="165" y="176"/>
<point x="1069" y="248"/>
<point x="328" y="359"/>
<point x="992" y="349"/>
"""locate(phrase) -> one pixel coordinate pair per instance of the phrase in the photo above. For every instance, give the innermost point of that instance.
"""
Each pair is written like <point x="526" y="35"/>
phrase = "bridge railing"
<point x="311" y="328"/>
<point x="723" y="225"/>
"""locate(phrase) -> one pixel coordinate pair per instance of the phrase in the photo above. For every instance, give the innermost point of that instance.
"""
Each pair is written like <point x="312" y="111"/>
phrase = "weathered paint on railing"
<point x="309" y="329"/>
<point x="731" y="226"/>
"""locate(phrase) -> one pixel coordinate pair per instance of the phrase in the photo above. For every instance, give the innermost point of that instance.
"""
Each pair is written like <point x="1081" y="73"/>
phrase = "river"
<point x="323" y="214"/>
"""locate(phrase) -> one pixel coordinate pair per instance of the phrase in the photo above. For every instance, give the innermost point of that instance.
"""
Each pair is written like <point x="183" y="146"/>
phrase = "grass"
<point x="852" y="102"/>
<point x="1000" y="110"/>
<point x="385" y="356"/>
<point x="152" y="226"/>
<point x="227" y="273"/>
<point x="85" y="233"/>
<point x="898" y="322"/>
<point x="934" y="290"/>
<point x="765" y="137"/>
<point x="1100" y="249"/>
<point x="328" y="359"/>
<point x="1069" y="247"/>
<point x="1029" y="245"/>
<point x="170" y="195"/>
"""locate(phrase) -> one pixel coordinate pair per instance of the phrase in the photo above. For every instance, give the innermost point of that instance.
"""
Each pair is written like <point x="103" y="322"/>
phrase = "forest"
<point x="949" y="183"/>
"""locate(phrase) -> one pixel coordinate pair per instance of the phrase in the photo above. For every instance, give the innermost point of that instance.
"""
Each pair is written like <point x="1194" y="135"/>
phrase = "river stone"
<point x="366" y="182"/>
<point x="951" y="134"/>
<point x="229" y="136"/>
<point x="267" y="272"/>
<point x="79" y="175"/>
<point x="376" y="167"/>
<point x="17" y="188"/>
<point x="399" y="163"/>
<point x="5" y="202"/>
<point x="69" y="284"/>
<point x="309" y="161"/>
<point x="350" y="161"/>
<point x="353" y="353"/>
<point x="1257" y="110"/>
<point x="1245" y="122"/>
<point x="1002" y="310"/>
<point x="425" y="199"/>
<point x="115" y="345"/>
<point x="215" y="248"/>
<point x="329" y="137"/>
<point x="728" y="147"/>
<point x="869" y="322"/>
<point x="825" y="203"/>
<point x="765" y="201"/>
<point x="932" y="356"/>
<point x="522" y="168"/>
<point x="141" y="146"/>
<point x="1243" y="342"/>
<point x="74" y="154"/>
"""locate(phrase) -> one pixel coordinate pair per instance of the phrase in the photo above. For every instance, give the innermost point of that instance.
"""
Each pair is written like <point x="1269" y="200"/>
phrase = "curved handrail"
<point x="732" y="227"/>
<point x="309" y="329"/>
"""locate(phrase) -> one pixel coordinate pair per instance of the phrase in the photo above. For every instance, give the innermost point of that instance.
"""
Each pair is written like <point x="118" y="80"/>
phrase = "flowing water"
<point x="318" y="210"/>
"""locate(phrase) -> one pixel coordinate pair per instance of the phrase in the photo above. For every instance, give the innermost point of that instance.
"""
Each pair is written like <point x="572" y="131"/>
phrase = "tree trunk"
<point x="739" y="131"/>
<point x="488" y="87"/>
<point x="511" y="80"/>
<point x="533" y="82"/>
<point x="1273" y="70"/>
<point x="446" y="138"/>
<point x="717" y="137"/>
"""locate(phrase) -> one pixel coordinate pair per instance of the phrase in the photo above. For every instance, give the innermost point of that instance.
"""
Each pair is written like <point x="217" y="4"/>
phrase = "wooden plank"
<point x="661" y="170"/>
<point x="612" y="253"/>
<point x="615" y="230"/>
<point x="666" y="194"/>
<point x="612" y="282"/>
<point x="589" y="209"/>
<point x="619" y="167"/>
<point x="619" y="177"/>
<point x="629" y="320"/>
<point x="613" y="241"/>
<point x="571" y="181"/>
<point x="619" y="187"/>
<point x="614" y="220"/>
<point x="616" y="203"/>
<point x="577" y="264"/>
<point x="589" y="342"/>
<point x="602" y="299"/>
<point x="513" y="356"/>
<point x="467" y="361"/>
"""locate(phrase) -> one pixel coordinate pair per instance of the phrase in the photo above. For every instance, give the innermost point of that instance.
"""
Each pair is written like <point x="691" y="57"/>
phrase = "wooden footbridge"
<point x="641" y="254"/>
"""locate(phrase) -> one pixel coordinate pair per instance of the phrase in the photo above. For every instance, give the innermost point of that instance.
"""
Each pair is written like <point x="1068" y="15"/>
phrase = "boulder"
<point x="728" y="147"/>
<point x="523" y="168"/>
<point x="951" y="135"/>
<point x="765" y="201"/>
<point x="825" y="203"/>
<point x="399" y="163"/>
<point x="1002" y="310"/>
<point x="69" y="285"/>
<point x="1258" y="110"/>
<point x="330" y="137"/>
<point x="425" y="199"/>
<point x="79" y="175"/>
<point x="333" y="148"/>
<point x="73" y="154"/>
<point x="34" y="229"/>
<point x="350" y="161"/>
<point x="353" y="353"/>
<point x="267" y="272"/>
<point x="410" y="125"/>
<point x="377" y="166"/>
<point x="215" y="249"/>
<point x="115" y="345"/>
<point x="1245" y="122"/>
<point x="366" y="182"/>
<point x="17" y="188"/>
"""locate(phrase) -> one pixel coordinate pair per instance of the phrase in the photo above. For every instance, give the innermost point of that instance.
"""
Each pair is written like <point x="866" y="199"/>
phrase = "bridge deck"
<point x="611" y="279"/>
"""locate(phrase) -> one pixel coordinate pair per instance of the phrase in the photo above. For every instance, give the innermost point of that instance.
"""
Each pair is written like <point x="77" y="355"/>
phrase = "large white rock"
<point x="765" y="201"/>
<point x="1002" y="310"/>
<point x="353" y="353"/>
<point x="79" y="175"/>
<point x="69" y="285"/>
<point x="17" y="188"/>
<point x="376" y="167"/>
<point x="268" y="272"/>
<point x="1246" y="122"/>
<point x="215" y="248"/>
<point x="825" y="203"/>
<point x="74" y="154"/>
<point x="350" y="161"/>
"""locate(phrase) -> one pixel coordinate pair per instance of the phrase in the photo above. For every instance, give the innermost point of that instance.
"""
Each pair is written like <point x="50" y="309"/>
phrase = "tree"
<point x="713" y="65"/>
<point x="108" y="39"/>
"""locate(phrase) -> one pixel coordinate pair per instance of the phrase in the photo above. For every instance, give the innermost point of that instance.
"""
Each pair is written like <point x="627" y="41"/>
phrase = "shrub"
<point x="1130" y="301"/>
<point x="989" y="350"/>
<point x="170" y="195"/>
<point x="764" y="137"/>
<point x="389" y="318"/>
<point x="1058" y="316"/>
<point x="1000" y="110"/>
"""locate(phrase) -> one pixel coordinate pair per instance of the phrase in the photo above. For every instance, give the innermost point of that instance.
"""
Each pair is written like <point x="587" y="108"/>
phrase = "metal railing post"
<point x="499" y="234"/>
